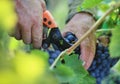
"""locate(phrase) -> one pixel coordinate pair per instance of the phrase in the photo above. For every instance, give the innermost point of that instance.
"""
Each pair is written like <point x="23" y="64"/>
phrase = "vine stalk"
<point x="92" y="29"/>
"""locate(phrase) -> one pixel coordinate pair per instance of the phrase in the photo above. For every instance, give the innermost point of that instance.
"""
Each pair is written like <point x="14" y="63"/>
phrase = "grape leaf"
<point x="41" y="54"/>
<point x="117" y="66"/>
<point x="80" y="73"/>
<point x="73" y="67"/>
<point x="90" y="80"/>
<point x="115" y="41"/>
<point x="73" y="62"/>
<point x="103" y="7"/>
<point x="64" y="73"/>
<point x="47" y="78"/>
<point x="90" y="3"/>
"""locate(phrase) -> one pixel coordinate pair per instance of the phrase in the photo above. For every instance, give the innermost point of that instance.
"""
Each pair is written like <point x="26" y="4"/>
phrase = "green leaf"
<point x="64" y="73"/>
<point x="73" y="62"/>
<point x="108" y="23"/>
<point x="90" y="3"/>
<point x="117" y="66"/>
<point x="47" y="78"/>
<point x="41" y="54"/>
<point x="115" y="43"/>
<point x="74" y="67"/>
<point x="103" y="7"/>
<point x="80" y="73"/>
<point x="90" y="80"/>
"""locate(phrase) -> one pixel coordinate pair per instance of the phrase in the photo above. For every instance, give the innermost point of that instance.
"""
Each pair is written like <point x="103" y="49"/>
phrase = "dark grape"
<point x="53" y="55"/>
<point x="67" y="34"/>
<point x="51" y="61"/>
<point x="102" y="63"/>
<point x="67" y="40"/>
<point x="71" y="38"/>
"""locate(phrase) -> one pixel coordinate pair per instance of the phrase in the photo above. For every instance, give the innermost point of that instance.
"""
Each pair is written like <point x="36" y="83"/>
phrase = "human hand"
<point x="78" y="25"/>
<point x="29" y="27"/>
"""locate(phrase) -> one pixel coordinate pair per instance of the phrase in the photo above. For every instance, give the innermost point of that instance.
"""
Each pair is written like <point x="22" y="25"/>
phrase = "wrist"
<point x="81" y="13"/>
<point x="83" y="19"/>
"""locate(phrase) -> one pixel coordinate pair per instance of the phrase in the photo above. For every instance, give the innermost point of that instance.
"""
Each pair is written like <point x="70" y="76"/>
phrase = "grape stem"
<point x="92" y="29"/>
<point x="56" y="60"/>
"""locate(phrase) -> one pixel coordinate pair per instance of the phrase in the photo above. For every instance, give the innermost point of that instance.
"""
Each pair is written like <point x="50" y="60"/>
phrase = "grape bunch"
<point x="102" y="63"/>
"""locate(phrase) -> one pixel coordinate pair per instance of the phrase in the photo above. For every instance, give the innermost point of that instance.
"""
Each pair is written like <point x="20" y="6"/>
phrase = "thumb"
<point x="68" y="28"/>
<point x="88" y="47"/>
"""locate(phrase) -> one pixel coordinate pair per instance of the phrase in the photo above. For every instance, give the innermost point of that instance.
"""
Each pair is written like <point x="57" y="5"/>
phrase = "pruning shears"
<point x="54" y="37"/>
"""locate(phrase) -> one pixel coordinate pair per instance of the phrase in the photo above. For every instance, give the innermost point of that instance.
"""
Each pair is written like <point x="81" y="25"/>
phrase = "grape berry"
<point x="53" y="55"/>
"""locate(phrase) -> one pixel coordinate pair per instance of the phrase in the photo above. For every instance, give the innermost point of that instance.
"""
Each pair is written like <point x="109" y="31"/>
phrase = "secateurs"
<point x="54" y="37"/>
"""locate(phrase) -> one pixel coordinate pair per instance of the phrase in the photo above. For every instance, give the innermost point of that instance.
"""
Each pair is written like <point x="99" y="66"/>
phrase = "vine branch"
<point x="92" y="29"/>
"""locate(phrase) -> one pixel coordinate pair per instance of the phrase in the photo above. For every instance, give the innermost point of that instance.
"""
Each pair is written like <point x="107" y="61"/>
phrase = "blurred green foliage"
<point x="114" y="47"/>
<point x="90" y="3"/>
<point x="60" y="16"/>
<point x="117" y="67"/>
<point x="7" y="16"/>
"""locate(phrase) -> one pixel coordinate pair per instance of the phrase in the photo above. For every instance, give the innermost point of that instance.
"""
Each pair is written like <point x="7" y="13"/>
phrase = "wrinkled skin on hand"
<point x="29" y="27"/>
<point x="78" y="25"/>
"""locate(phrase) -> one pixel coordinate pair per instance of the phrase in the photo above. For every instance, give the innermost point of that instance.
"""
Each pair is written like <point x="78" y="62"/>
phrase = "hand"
<point x="29" y="26"/>
<point x="78" y="25"/>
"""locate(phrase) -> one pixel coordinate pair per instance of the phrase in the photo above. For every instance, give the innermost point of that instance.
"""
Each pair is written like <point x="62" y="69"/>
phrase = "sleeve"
<point x="74" y="5"/>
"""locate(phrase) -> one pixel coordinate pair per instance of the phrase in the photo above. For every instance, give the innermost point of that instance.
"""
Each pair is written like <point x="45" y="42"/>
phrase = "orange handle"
<point x="48" y="20"/>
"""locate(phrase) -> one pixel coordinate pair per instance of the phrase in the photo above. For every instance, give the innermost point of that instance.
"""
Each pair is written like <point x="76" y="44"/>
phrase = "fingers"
<point x="29" y="35"/>
<point x="43" y="5"/>
<point x="26" y="34"/>
<point x="87" y="55"/>
<point x="68" y="28"/>
<point x="88" y="47"/>
<point x="37" y="36"/>
<point x="16" y="32"/>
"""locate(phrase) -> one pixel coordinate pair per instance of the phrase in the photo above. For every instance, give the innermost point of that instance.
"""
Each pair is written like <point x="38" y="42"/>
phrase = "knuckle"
<point x="37" y="46"/>
<point x="26" y="41"/>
